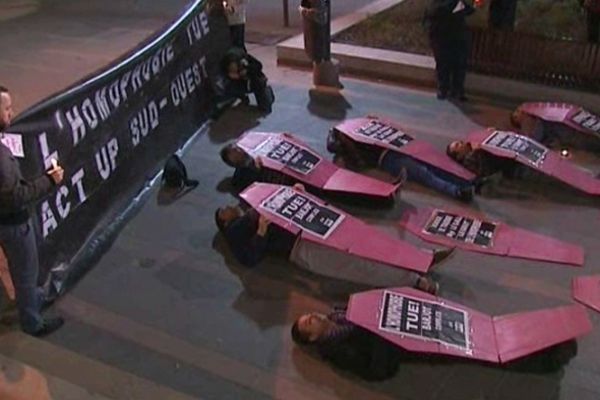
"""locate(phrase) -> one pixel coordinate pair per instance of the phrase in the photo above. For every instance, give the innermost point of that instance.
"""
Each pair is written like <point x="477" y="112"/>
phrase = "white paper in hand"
<point x="459" y="7"/>
<point x="14" y="142"/>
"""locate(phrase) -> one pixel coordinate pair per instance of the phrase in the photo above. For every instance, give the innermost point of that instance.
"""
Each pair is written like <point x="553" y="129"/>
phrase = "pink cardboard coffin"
<point x="535" y="155"/>
<point x="286" y="154"/>
<point x="471" y="231"/>
<point x="567" y="114"/>
<point x="315" y="221"/>
<point x="390" y="135"/>
<point x="586" y="290"/>
<point x="423" y="323"/>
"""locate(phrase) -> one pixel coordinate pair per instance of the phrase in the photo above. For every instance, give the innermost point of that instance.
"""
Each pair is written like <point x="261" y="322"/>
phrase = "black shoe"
<point x="442" y="95"/>
<point x="402" y="177"/>
<point x="465" y="194"/>
<point x="441" y="255"/>
<point x="48" y="326"/>
<point x="459" y="95"/>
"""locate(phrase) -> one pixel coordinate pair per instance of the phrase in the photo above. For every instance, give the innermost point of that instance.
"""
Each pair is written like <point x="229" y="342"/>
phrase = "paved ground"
<point x="167" y="313"/>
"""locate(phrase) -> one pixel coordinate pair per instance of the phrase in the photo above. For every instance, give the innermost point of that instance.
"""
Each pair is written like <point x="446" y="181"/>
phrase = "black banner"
<point x="310" y="216"/>
<point x="381" y="132"/>
<point x="112" y="132"/>
<point x="587" y="120"/>
<point x="521" y="146"/>
<point x="291" y="155"/>
<point x="425" y="320"/>
<point x="460" y="228"/>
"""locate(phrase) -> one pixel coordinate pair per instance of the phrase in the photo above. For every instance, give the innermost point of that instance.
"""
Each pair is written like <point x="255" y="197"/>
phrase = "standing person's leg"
<point x="238" y="35"/>
<point x="593" y="26"/>
<point x="442" y="67"/>
<point x="459" y="67"/>
<point x="21" y="253"/>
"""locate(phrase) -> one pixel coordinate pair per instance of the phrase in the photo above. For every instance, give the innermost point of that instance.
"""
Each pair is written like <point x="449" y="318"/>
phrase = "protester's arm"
<point x="16" y="192"/>
<point x="245" y="176"/>
<point x="248" y="246"/>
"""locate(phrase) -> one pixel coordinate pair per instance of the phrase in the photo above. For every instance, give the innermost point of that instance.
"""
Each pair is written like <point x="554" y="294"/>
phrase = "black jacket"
<point x="16" y="193"/>
<point x="442" y="22"/>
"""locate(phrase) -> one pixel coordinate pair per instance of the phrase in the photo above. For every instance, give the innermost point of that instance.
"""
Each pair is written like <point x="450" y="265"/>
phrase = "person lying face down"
<point x="480" y="162"/>
<point x="346" y="345"/>
<point x="400" y="166"/>
<point x="553" y="135"/>
<point x="252" y="237"/>
<point x="248" y="169"/>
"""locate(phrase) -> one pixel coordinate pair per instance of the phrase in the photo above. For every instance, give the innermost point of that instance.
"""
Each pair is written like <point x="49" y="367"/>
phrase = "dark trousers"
<point x="426" y="175"/>
<point x="18" y="242"/>
<point x="593" y="26"/>
<point x="450" y="63"/>
<point x="503" y="14"/>
<point x="238" y="35"/>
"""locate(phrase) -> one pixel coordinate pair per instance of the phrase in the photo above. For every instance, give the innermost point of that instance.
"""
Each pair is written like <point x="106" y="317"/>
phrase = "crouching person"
<point x="244" y="75"/>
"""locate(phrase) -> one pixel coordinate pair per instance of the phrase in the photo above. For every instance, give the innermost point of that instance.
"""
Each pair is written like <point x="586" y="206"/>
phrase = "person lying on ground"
<point x="400" y="166"/>
<point x="347" y="346"/>
<point x="252" y="237"/>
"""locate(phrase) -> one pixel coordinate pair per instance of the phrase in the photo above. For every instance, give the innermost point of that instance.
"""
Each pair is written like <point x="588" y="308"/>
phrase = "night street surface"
<point x="168" y="314"/>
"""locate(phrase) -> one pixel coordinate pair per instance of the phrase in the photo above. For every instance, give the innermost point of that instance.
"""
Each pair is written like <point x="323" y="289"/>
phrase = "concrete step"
<point x="34" y="369"/>
<point x="20" y="381"/>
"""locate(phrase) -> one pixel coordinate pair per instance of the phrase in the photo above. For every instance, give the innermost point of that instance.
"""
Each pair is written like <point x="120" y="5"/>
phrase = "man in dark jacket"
<point x="449" y="38"/>
<point x="346" y="345"/>
<point x="251" y="236"/>
<point x="249" y="169"/>
<point x="480" y="162"/>
<point x="16" y="231"/>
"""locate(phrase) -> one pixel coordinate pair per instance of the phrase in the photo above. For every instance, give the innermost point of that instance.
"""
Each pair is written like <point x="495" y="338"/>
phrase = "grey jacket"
<point x="16" y="193"/>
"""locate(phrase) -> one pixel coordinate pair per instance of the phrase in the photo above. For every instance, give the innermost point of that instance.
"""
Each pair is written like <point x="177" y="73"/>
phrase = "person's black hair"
<point x="225" y="154"/>
<point x="297" y="336"/>
<point x="449" y="152"/>
<point x="3" y="89"/>
<point x="218" y="221"/>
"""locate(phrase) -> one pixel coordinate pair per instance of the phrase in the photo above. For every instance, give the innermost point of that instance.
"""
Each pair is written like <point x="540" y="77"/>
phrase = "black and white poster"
<point x="312" y="217"/>
<point x="461" y="228"/>
<point x="425" y="320"/>
<point x="293" y="156"/>
<point x="521" y="146"/>
<point x="113" y="130"/>
<point x="587" y="120"/>
<point x="381" y="132"/>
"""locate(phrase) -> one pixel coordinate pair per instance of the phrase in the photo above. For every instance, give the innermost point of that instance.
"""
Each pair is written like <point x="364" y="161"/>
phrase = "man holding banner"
<point x="17" y="236"/>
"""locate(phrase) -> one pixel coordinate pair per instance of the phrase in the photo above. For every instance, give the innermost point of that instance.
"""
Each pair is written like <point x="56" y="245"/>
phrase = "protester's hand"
<point x="56" y="173"/>
<point x="258" y="162"/>
<point x="263" y="225"/>
<point x="299" y="187"/>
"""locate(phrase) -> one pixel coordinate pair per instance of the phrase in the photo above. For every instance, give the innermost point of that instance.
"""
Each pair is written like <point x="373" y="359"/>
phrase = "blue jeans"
<point x="424" y="174"/>
<point x="18" y="242"/>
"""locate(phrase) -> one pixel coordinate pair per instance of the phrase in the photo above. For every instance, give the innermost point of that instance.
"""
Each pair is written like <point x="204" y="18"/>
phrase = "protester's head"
<point x="516" y="118"/>
<point x="235" y="64"/>
<point x="308" y="328"/>
<point x="233" y="155"/>
<point x="458" y="150"/>
<point x="6" y="111"/>
<point x="224" y="216"/>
